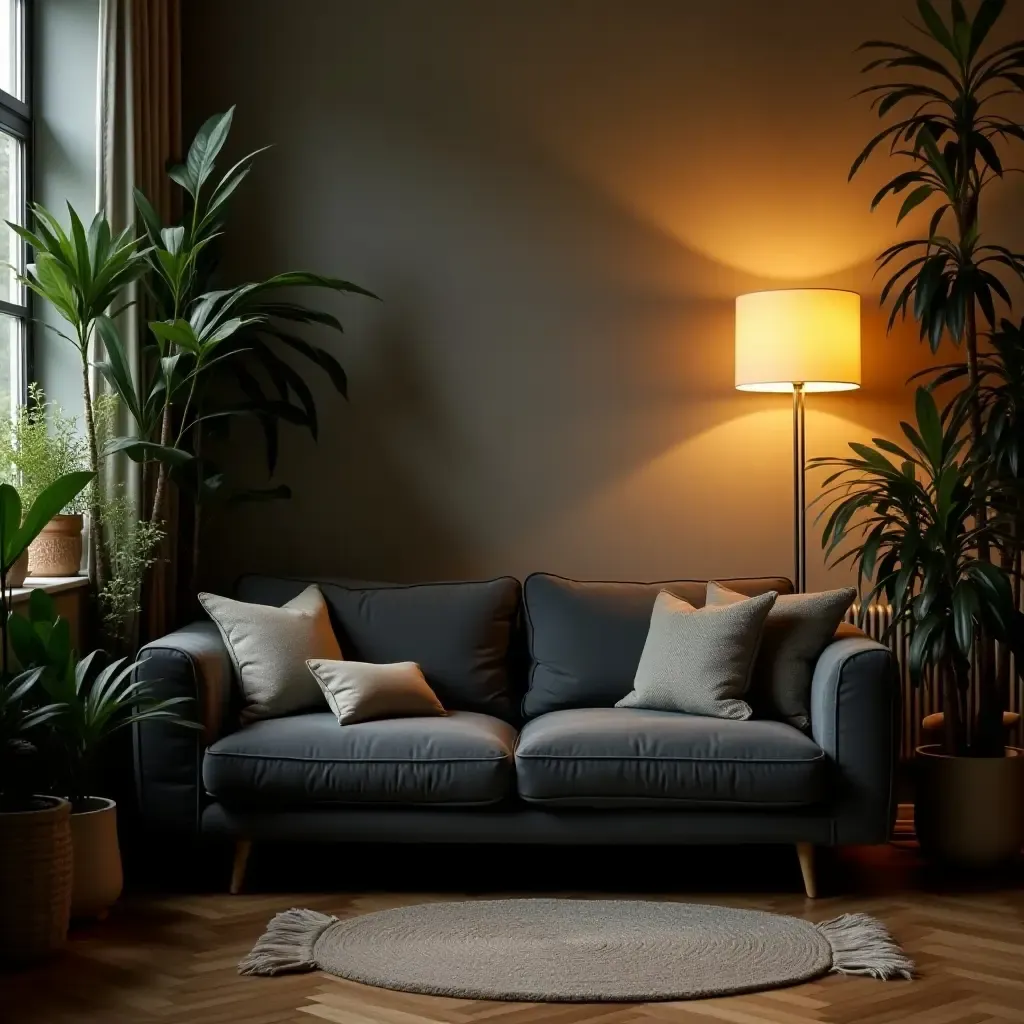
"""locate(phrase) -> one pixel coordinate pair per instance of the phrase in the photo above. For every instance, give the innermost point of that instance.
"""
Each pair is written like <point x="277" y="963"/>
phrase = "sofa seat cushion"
<point x="463" y="759"/>
<point x="605" y="757"/>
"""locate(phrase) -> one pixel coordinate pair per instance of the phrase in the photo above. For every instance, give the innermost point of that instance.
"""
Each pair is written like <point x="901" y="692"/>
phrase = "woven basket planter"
<point x="35" y="880"/>
<point x="57" y="551"/>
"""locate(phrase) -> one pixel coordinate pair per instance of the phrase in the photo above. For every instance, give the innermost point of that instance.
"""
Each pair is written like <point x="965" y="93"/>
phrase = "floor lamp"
<point x="798" y="341"/>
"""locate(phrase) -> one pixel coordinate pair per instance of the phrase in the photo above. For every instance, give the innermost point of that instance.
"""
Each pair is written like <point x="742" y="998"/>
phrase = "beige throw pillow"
<point x="269" y="647"/>
<point x="798" y="629"/>
<point x="360" y="692"/>
<point x="699" y="660"/>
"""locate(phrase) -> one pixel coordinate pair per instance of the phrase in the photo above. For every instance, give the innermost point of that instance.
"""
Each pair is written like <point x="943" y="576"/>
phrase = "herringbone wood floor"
<point x="171" y="958"/>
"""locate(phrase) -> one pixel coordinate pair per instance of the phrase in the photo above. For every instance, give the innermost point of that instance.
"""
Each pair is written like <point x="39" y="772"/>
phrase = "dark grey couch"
<point x="533" y="750"/>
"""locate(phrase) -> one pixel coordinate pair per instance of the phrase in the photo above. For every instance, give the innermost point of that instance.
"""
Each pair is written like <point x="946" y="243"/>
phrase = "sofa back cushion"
<point x="460" y="634"/>
<point x="586" y="638"/>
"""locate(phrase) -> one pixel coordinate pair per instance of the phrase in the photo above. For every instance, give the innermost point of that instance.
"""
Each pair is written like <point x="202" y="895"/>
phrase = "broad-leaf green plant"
<point x="908" y="510"/>
<point x="97" y="697"/>
<point x="22" y="713"/>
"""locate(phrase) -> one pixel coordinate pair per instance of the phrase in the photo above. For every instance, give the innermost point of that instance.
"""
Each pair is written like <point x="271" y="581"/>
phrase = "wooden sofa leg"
<point x="242" y="849"/>
<point x="805" y="851"/>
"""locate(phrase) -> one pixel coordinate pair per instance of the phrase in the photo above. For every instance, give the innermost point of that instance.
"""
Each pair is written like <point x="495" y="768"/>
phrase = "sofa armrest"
<point x="191" y="662"/>
<point x="854" y="719"/>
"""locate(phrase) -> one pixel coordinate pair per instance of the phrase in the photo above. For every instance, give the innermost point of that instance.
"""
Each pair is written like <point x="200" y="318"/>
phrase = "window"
<point x="15" y="136"/>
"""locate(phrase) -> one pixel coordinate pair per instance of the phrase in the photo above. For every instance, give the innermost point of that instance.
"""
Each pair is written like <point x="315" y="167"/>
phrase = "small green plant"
<point x="21" y="719"/>
<point x="95" y="696"/>
<point x="133" y="544"/>
<point x="38" y="446"/>
<point x="22" y="714"/>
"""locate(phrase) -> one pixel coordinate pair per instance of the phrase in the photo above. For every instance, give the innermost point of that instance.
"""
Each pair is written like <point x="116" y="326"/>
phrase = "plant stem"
<point x="988" y="736"/>
<point x="161" y="472"/>
<point x="99" y="550"/>
<point x="3" y="614"/>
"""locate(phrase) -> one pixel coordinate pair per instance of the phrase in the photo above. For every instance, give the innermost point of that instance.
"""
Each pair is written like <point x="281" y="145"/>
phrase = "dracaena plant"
<point x="947" y="102"/>
<point x="203" y="342"/>
<point x="999" y="461"/>
<point x="82" y="274"/>
<point x="908" y="510"/>
<point x="208" y="342"/>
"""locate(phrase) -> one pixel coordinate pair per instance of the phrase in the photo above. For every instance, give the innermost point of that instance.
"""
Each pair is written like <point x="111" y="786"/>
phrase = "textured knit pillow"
<point x="699" y="660"/>
<point x="798" y="629"/>
<point x="360" y="692"/>
<point x="269" y="647"/>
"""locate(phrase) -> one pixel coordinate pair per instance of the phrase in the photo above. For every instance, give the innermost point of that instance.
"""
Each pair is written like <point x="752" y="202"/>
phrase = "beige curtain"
<point x="139" y="129"/>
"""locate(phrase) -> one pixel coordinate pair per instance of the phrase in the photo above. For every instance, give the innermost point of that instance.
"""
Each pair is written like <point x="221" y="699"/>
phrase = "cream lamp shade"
<point x="807" y="336"/>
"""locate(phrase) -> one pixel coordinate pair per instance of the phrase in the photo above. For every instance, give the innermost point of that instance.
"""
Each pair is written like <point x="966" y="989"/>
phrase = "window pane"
<point x="11" y="367"/>
<point x="12" y="75"/>
<point x="12" y="208"/>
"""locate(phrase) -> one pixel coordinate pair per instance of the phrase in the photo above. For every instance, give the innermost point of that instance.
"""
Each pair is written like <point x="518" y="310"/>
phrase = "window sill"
<point x="49" y="584"/>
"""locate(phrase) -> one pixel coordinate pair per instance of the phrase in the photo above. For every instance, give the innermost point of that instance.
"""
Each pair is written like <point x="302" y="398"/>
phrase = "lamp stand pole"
<point x="799" y="490"/>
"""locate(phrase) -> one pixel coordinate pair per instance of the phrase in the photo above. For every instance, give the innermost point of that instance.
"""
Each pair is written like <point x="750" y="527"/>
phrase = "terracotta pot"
<point x="969" y="811"/>
<point x="98" y="879"/>
<point x="16" y="577"/>
<point x="57" y="551"/>
<point x="35" y="879"/>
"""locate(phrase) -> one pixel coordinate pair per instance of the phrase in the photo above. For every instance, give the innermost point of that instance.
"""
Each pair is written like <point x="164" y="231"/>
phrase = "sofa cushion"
<point x="606" y="757"/>
<point x="459" y="634"/>
<point x="459" y="760"/>
<point x="798" y="629"/>
<point x="698" y="660"/>
<point x="585" y="639"/>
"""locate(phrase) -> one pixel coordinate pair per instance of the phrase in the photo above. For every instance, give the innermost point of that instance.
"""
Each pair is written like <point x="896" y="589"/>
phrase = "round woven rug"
<point x="553" y="950"/>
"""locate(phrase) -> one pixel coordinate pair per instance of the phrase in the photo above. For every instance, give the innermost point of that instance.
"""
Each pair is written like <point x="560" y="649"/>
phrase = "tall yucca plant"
<point x="951" y="138"/>
<point x="950" y="128"/>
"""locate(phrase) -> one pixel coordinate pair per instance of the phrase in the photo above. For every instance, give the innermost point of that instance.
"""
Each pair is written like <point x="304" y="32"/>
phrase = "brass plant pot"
<point x="969" y="811"/>
<point x="57" y="551"/>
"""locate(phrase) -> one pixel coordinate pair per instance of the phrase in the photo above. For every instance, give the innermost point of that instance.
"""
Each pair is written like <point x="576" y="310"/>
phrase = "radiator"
<point x="918" y="701"/>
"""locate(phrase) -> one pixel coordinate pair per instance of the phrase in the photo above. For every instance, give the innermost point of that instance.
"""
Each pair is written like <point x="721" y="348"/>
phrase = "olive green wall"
<point x="558" y="201"/>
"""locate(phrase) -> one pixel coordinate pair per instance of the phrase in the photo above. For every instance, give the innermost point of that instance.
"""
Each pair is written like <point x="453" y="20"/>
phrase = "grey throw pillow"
<point x="699" y="660"/>
<point x="269" y="647"/>
<point x="360" y="692"/>
<point x="798" y="629"/>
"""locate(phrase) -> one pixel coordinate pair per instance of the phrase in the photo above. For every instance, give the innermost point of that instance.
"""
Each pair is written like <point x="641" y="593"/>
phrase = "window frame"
<point x="16" y="121"/>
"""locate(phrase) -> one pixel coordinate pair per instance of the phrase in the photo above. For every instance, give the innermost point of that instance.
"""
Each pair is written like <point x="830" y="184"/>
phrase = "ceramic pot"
<point x="57" y="551"/>
<point x="35" y="879"/>
<point x="16" y="577"/>
<point x="969" y="811"/>
<point x="97" y="877"/>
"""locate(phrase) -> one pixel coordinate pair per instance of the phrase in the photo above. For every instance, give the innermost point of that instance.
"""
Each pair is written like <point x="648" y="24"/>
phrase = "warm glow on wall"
<point x="808" y="336"/>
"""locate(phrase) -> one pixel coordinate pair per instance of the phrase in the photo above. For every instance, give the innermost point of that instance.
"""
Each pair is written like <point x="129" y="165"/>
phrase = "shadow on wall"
<point x="548" y="383"/>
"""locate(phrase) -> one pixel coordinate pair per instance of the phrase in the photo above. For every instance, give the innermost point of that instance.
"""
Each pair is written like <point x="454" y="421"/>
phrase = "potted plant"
<point x="948" y="105"/>
<point x="97" y="697"/>
<point x="37" y="446"/>
<point x="35" y="831"/>
<point x="917" y="546"/>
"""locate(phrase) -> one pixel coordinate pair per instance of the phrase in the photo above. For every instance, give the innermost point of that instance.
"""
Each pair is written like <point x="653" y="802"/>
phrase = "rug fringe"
<point x="861" y="944"/>
<point x="287" y="944"/>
